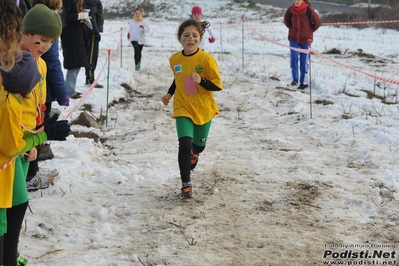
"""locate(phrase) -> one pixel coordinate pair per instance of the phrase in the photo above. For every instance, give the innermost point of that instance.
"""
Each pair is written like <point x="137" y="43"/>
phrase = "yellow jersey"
<point x="198" y="104"/>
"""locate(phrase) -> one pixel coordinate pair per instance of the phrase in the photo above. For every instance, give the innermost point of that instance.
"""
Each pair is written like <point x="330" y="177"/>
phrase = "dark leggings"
<point x="137" y="51"/>
<point x="1" y="249"/>
<point x="15" y="217"/>
<point x="92" y="46"/>
<point x="185" y="147"/>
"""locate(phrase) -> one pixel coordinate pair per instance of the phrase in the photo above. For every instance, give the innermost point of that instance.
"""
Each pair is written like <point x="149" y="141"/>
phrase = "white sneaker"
<point x="42" y="179"/>
<point x="48" y="172"/>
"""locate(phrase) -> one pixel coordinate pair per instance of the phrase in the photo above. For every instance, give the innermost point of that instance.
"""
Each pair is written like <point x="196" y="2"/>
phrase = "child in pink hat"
<point x="196" y="13"/>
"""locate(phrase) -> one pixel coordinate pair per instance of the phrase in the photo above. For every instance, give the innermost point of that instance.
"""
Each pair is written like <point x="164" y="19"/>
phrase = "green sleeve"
<point x="32" y="140"/>
<point x="26" y="134"/>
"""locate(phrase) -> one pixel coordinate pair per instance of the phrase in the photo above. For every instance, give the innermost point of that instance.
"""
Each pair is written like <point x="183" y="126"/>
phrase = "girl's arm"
<point x="287" y="19"/>
<point x="166" y="98"/>
<point x="32" y="140"/>
<point x="211" y="80"/>
<point x="315" y="21"/>
<point x="172" y="88"/>
<point x="146" y="26"/>
<point x="208" y="85"/>
<point x="210" y="32"/>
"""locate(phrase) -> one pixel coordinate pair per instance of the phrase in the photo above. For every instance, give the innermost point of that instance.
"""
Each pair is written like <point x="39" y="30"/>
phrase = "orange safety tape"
<point x="86" y="94"/>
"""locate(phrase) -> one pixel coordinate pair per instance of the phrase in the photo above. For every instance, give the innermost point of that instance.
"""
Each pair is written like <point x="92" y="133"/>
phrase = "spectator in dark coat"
<point x="93" y="38"/>
<point x="73" y="42"/>
<point x="24" y="5"/>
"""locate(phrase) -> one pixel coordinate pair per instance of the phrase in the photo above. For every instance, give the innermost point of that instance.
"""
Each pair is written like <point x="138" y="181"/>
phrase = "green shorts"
<point x="186" y="128"/>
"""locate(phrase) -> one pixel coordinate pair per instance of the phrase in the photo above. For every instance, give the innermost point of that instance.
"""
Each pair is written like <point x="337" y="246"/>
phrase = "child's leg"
<point x="199" y="142"/>
<point x="184" y="158"/>
<point x="185" y="129"/>
<point x="304" y="65"/>
<point x="200" y="137"/>
<point x="3" y="228"/>
<point x="15" y="217"/>
<point x="137" y="52"/>
<point x="1" y="249"/>
<point x="140" y="49"/>
<point x="294" y="61"/>
<point x="16" y="214"/>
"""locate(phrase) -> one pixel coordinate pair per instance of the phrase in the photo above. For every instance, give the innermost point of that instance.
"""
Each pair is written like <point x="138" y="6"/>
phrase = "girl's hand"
<point x="31" y="155"/>
<point x="165" y="99"/>
<point x="195" y="77"/>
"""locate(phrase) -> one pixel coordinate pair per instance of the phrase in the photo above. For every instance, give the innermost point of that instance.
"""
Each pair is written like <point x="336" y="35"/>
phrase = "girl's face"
<point x="137" y="14"/>
<point x="197" y="16"/>
<point x="190" y="40"/>
<point x="298" y="2"/>
<point x="36" y="44"/>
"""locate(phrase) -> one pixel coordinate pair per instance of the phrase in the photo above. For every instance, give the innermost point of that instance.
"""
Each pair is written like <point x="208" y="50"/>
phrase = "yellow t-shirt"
<point x="11" y="142"/>
<point x="196" y="103"/>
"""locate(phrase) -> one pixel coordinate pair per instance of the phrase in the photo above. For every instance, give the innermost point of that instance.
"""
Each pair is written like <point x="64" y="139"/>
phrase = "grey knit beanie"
<point x="23" y="77"/>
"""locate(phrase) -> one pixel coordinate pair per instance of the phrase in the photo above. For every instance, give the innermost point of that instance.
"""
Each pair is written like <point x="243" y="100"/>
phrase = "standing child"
<point x="42" y="27"/>
<point x="18" y="84"/>
<point x="196" y="77"/>
<point x="301" y="21"/>
<point x="196" y="13"/>
<point x="56" y="90"/>
<point x="138" y="29"/>
<point x="10" y="38"/>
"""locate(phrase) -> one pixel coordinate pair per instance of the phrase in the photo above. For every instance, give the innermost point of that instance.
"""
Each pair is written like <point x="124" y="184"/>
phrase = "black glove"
<point x="56" y="130"/>
<point x="48" y="121"/>
<point x="98" y="37"/>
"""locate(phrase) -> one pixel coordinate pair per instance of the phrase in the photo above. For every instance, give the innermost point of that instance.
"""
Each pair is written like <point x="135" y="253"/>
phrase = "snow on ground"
<point x="287" y="176"/>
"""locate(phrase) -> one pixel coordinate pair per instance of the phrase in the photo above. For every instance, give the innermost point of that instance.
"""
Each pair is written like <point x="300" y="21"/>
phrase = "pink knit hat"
<point x="196" y="10"/>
